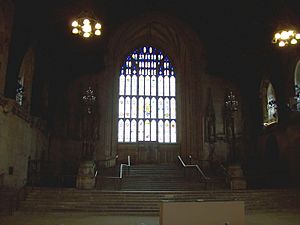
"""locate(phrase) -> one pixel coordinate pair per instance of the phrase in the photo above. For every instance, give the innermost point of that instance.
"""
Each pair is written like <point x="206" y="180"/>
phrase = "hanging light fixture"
<point x="286" y="37"/>
<point x="89" y="99"/>
<point x="86" y="25"/>
<point x="231" y="104"/>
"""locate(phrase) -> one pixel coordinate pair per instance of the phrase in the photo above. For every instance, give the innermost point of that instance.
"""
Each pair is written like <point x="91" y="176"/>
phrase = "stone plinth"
<point x="86" y="175"/>
<point x="237" y="179"/>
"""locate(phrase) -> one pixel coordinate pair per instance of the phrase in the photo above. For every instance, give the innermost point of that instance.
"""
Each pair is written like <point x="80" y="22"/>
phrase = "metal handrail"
<point x="191" y="166"/>
<point x="126" y="165"/>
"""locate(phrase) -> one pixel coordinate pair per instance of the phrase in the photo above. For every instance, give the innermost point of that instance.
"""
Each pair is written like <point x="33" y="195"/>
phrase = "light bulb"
<point x="277" y="35"/>
<point x="98" y="26"/>
<point x="281" y="44"/>
<point x="74" y="23"/>
<point x="86" y="21"/>
<point x="75" y="31"/>
<point x="86" y="35"/>
<point x="97" y="32"/>
<point x="87" y="28"/>
<point x="284" y="35"/>
<point x="293" y="41"/>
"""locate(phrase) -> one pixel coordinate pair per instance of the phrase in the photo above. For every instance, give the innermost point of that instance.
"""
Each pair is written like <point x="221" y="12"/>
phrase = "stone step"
<point x="148" y="202"/>
<point x="159" y="177"/>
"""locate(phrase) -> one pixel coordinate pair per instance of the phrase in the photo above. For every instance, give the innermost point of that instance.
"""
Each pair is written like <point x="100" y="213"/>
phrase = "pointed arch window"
<point x="269" y="104"/>
<point x="147" y="97"/>
<point x="296" y="97"/>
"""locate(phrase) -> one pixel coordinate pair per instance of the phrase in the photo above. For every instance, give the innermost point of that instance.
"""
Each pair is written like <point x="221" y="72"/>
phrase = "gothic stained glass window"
<point x="147" y="97"/>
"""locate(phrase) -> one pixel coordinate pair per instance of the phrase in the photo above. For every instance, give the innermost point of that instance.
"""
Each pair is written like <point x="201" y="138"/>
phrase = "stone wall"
<point x="6" y="20"/>
<point x="21" y="137"/>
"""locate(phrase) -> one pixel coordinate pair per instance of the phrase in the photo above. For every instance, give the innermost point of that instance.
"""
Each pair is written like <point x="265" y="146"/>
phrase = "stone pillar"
<point x="89" y="130"/>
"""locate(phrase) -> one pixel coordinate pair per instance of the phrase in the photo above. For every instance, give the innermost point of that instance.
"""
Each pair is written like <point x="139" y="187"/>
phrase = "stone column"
<point x="89" y="130"/>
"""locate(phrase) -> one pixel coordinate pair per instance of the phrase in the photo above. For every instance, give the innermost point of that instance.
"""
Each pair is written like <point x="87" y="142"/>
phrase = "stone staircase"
<point x="159" y="177"/>
<point x="148" y="202"/>
<point x="143" y="189"/>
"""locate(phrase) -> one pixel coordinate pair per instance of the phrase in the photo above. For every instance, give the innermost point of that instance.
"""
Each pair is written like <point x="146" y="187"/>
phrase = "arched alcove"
<point x="185" y="52"/>
<point x="269" y="104"/>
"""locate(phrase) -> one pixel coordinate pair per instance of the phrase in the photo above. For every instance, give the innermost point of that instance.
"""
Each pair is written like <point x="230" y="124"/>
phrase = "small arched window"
<point x="147" y="98"/>
<point x="297" y="87"/>
<point x="269" y="103"/>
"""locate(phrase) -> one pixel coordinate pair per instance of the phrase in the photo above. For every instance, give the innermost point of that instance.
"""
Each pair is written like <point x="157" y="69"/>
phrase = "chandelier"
<point x="86" y="25"/>
<point x="89" y="99"/>
<point x="231" y="103"/>
<point x="286" y="37"/>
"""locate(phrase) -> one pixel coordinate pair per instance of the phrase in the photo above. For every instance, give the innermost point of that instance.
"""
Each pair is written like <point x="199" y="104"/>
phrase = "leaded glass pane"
<point x="173" y="108"/>
<point x="147" y="85"/>
<point x="141" y="130"/>
<point x="147" y="108"/>
<point x="128" y="85"/>
<point x="127" y="130"/>
<point x="167" y="108"/>
<point x="121" y="107"/>
<point x="134" y="85"/>
<point x="141" y="107"/>
<point x="166" y="87"/>
<point x="133" y="131"/>
<point x="133" y="107"/>
<point x="127" y="107"/>
<point x="173" y="131"/>
<point x="153" y="130"/>
<point x="160" y="108"/>
<point x="172" y="86"/>
<point x="153" y="108"/>
<point x="153" y="86"/>
<point x="147" y="130"/>
<point x="121" y="85"/>
<point x="167" y="131"/>
<point x="141" y="85"/>
<point x="160" y="86"/>
<point x="160" y="131"/>
<point x="121" y="131"/>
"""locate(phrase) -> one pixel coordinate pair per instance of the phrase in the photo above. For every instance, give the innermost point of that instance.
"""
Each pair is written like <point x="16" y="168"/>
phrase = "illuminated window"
<point x="269" y="103"/>
<point x="147" y="97"/>
<point x="20" y="90"/>
<point x="296" y="97"/>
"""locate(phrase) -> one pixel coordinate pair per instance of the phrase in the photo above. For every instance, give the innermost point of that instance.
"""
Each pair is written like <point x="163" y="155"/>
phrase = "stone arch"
<point x="185" y="51"/>
<point x="268" y="103"/>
